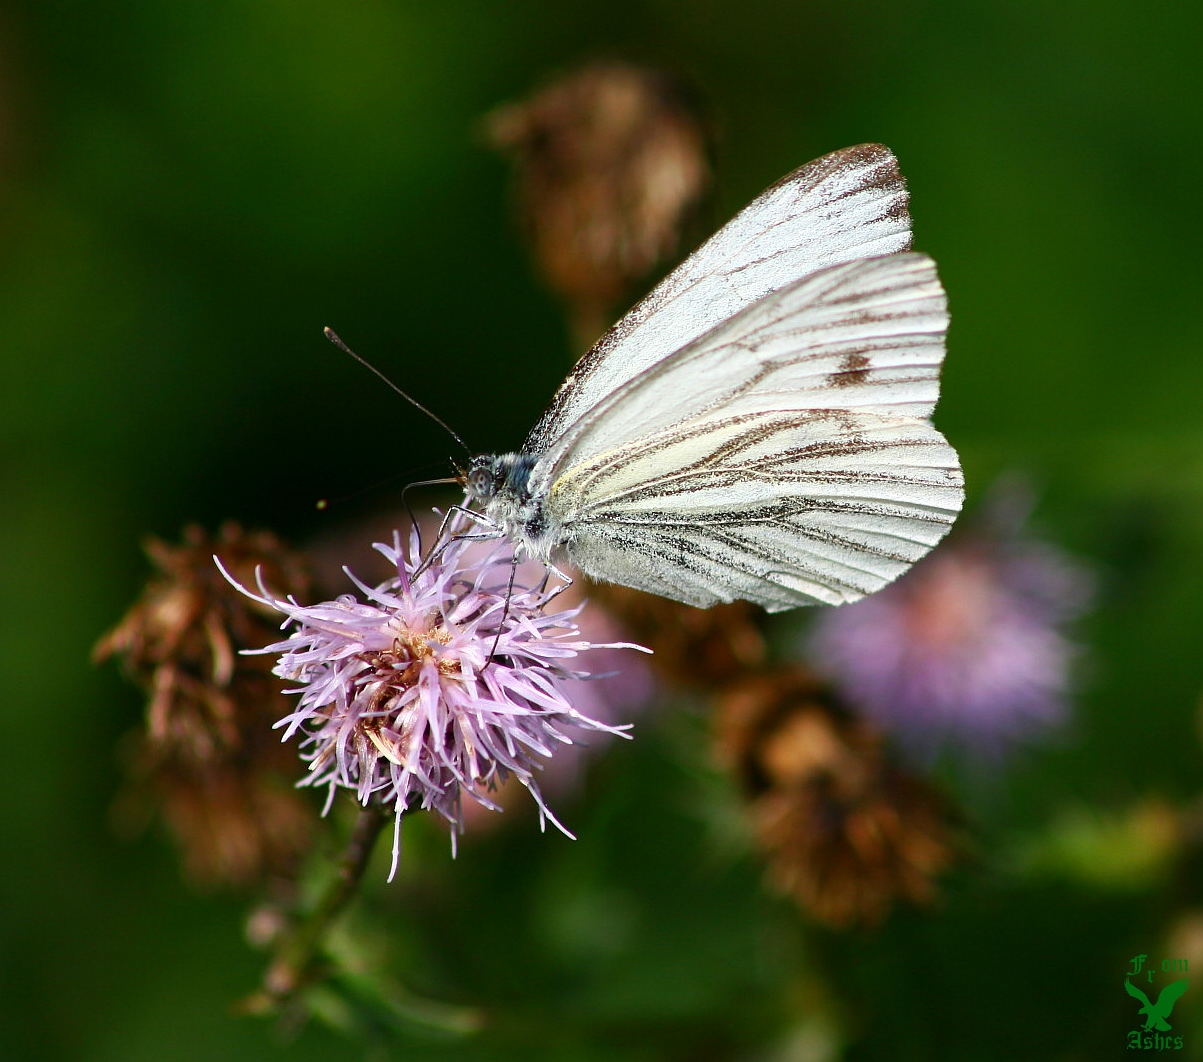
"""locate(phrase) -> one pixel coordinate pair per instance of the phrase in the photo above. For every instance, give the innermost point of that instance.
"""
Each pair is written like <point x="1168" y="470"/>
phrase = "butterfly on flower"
<point x="759" y="426"/>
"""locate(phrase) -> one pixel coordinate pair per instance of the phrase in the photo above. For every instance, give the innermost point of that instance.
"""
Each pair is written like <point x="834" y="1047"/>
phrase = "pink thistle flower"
<point x="445" y="682"/>
<point x="968" y="645"/>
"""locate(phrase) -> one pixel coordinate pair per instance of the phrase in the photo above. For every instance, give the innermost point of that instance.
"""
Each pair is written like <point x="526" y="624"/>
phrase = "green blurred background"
<point x="190" y="191"/>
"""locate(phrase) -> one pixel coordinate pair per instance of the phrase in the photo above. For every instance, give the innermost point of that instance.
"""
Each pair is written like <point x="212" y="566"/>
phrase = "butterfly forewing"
<point x="784" y="457"/>
<point x="865" y="335"/>
<point x="848" y="205"/>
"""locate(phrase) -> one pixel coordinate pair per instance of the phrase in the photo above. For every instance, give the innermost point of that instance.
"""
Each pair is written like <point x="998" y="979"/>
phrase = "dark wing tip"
<point x="865" y="154"/>
<point x="875" y="166"/>
<point x="877" y="160"/>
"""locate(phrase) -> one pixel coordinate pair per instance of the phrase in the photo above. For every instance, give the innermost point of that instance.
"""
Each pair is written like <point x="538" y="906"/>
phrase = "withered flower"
<point x="846" y="832"/>
<point x="208" y="756"/>
<point x="610" y="162"/>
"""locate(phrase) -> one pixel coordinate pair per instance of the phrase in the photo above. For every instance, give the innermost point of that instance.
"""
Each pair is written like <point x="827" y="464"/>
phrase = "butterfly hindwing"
<point x="785" y="457"/>
<point x="783" y="508"/>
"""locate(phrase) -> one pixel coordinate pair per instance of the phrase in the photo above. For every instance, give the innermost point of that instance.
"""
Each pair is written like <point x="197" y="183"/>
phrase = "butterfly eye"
<point x="481" y="483"/>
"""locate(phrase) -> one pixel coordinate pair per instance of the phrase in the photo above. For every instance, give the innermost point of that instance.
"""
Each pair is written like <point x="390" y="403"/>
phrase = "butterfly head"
<point x="484" y="477"/>
<point x="494" y="475"/>
<point x="501" y="485"/>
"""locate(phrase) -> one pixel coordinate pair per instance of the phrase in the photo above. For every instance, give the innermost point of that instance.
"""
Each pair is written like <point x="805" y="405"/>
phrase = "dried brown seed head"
<point x="610" y="162"/>
<point x="846" y="832"/>
<point x="208" y="757"/>
<point x="693" y="647"/>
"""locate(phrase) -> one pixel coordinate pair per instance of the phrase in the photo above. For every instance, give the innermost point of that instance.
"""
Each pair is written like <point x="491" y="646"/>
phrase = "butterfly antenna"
<point x="334" y="338"/>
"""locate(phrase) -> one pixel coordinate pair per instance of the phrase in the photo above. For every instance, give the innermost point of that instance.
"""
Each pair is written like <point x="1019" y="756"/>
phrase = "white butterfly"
<point x="758" y="427"/>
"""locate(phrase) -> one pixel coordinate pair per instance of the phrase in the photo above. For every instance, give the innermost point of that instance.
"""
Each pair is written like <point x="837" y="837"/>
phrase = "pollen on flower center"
<point x="402" y="665"/>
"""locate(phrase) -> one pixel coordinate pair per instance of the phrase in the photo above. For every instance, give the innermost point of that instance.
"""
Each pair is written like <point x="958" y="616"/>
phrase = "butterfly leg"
<point x="549" y="570"/>
<point x="505" y="615"/>
<point x="441" y="542"/>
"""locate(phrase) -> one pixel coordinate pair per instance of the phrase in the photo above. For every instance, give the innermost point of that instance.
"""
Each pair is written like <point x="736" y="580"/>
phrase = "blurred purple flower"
<point x="448" y="681"/>
<point x="969" y="645"/>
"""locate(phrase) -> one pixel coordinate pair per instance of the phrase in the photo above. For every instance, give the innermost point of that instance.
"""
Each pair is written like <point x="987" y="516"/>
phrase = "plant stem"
<point x="297" y="954"/>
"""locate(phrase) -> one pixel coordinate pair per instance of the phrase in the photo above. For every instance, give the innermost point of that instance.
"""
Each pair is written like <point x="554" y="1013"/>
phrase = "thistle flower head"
<point x="442" y="683"/>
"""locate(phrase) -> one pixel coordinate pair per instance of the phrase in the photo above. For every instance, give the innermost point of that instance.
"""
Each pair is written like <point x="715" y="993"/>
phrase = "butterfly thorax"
<point x="500" y="483"/>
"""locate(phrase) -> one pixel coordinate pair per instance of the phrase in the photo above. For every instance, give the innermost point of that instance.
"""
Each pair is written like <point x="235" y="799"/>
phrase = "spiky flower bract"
<point x="444" y="682"/>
